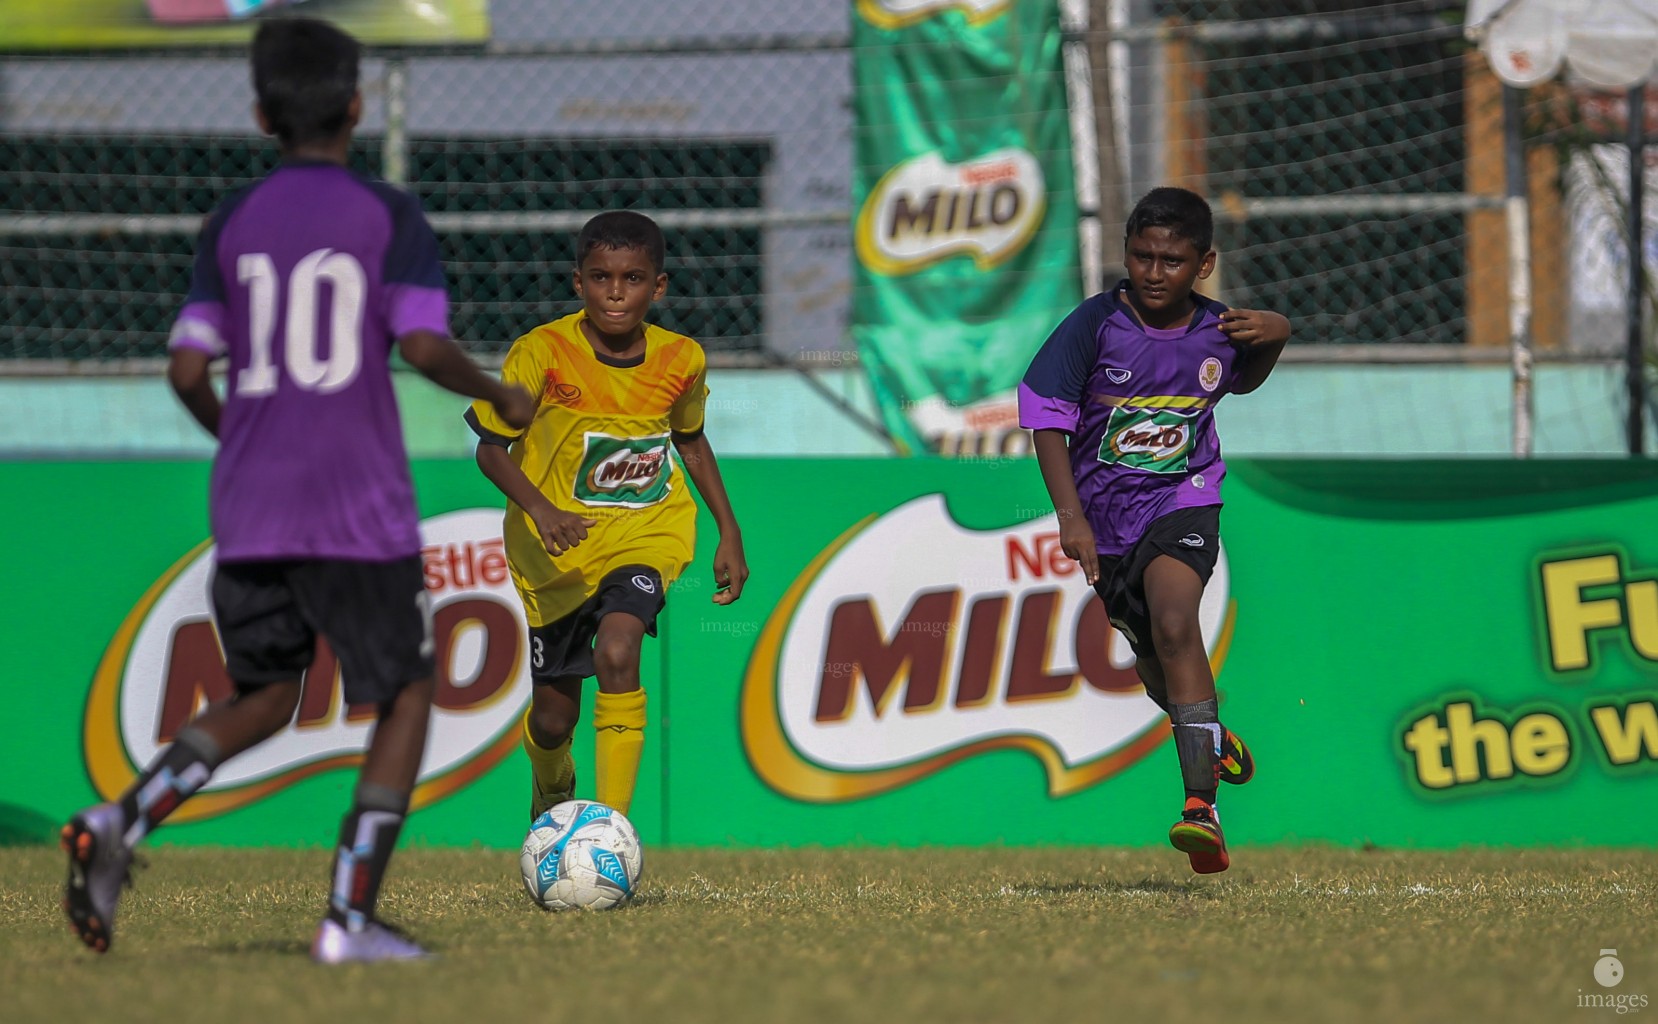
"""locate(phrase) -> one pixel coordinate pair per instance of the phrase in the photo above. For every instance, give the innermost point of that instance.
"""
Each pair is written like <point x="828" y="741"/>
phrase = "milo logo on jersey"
<point x="912" y="642"/>
<point x="164" y="664"/>
<point x="630" y="472"/>
<point x="1155" y="440"/>
<point x="926" y="210"/>
<point x="890" y="14"/>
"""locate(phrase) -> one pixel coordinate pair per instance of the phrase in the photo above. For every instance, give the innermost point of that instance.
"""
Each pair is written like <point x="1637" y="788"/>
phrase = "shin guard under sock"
<point x="1197" y="739"/>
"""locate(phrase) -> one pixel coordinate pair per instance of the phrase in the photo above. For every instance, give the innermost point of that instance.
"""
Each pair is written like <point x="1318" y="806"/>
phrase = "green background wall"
<point x="1368" y="596"/>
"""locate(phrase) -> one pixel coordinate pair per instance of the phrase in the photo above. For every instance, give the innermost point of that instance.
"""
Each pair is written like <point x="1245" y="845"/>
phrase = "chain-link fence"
<point x="1363" y="106"/>
<point x="1348" y="147"/>
<point x="735" y="141"/>
<point x="70" y="293"/>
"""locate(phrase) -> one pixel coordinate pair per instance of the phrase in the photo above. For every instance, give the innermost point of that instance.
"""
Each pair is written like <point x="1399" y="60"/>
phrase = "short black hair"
<point x="304" y="75"/>
<point x="622" y="229"/>
<point x="1182" y="211"/>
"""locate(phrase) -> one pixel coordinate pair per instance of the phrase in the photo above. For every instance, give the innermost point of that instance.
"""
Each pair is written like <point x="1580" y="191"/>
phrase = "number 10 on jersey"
<point x="301" y="357"/>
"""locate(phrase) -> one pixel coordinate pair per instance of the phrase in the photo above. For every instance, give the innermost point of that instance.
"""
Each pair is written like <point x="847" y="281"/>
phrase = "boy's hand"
<point x="1255" y="326"/>
<point x="730" y="570"/>
<point x="1076" y="539"/>
<point x="560" y="530"/>
<point x="516" y="406"/>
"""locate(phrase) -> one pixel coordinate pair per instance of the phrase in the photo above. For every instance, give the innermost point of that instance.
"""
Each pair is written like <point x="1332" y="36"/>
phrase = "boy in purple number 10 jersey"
<point x="1120" y="400"/>
<point x="304" y="281"/>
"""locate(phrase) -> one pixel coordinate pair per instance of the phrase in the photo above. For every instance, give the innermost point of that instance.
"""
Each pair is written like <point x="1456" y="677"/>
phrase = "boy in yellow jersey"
<point x="599" y="519"/>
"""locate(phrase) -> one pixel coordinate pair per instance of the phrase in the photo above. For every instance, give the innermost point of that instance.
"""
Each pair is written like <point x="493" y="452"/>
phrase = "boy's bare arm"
<point x="1262" y="334"/>
<point x="187" y="372"/>
<point x="1076" y="537"/>
<point x="730" y="567"/>
<point x="443" y="362"/>
<point x="560" y="530"/>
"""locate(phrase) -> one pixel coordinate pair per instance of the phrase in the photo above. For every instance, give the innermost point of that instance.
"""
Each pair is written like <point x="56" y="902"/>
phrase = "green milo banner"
<point x="1420" y="654"/>
<point x="966" y="230"/>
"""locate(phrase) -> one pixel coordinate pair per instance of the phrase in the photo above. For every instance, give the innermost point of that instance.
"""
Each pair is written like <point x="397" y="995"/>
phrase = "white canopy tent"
<point x="1608" y="44"/>
<point x="1611" y="44"/>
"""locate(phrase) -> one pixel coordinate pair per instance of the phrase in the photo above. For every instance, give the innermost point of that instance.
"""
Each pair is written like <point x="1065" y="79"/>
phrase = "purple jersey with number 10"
<point x="304" y="280"/>
<point x="1138" y="404"/>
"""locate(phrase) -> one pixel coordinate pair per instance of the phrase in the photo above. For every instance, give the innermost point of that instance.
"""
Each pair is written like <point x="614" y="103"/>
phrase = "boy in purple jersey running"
<point x="1120" y="401"/>
<point x="304" y="281"/>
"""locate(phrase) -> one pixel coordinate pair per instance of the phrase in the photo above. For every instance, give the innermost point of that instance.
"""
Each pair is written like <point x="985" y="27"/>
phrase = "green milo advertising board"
<point x="1420" y="654"/>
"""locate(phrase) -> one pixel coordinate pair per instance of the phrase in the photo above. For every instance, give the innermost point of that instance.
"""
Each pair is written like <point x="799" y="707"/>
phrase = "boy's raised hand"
<point x="730" y="571"/>
<point x="560" y="530"/>
<point x="1255" y="326"/>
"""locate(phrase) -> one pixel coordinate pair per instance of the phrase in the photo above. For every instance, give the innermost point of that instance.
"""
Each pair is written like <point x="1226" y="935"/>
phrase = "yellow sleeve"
<point x="686" y="416"/>
<point x="522" y="367"/>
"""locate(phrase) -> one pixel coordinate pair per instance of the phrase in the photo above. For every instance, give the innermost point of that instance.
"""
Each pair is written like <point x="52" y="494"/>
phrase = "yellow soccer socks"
<point x="553" y="772"/>
<point x="619" y="721"/>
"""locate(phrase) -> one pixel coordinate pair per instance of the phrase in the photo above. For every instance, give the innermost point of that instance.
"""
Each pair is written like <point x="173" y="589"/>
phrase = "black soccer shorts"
<point x="1191" y="535"/>
<point x="376" y="616"/>
<point x="564" y="647"/>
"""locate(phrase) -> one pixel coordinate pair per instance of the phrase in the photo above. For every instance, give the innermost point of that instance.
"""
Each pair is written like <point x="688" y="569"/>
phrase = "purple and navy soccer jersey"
<point x="1138" y="404"/>
<point x="305" y="280"/>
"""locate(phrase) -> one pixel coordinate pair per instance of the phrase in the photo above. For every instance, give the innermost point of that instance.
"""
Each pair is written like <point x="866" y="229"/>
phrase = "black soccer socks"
<point x="176" y="773"/>
<point x="1197" y="739"/>
<point x="367" y="837"/>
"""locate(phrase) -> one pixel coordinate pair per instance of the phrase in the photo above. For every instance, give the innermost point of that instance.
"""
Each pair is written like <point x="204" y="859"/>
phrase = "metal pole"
<point x="395" y="159"/>
<point x="1635" y="371"/>
<point x="1111" y="185"/>
<point x="1085" y="140"/>
<point x="1519" y="266"/>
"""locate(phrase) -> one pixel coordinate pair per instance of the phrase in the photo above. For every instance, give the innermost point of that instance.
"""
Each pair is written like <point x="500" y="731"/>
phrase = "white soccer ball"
<point x="581" y="855"/>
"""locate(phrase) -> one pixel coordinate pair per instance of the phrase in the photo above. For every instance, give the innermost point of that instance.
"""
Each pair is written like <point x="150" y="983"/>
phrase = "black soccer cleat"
<point x="100" y="863"/>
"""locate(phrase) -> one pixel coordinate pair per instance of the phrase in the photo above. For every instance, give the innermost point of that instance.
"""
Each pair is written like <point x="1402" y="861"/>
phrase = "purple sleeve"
<point x="1039" y="413"/>
<point x="200" y="325"/>
<point x="1211" y="311"/>
<point x="410" y="307"/>
<point x="416" y="294"/>
<point x="413" y="256"/>
<point x="1051" y="395"/>
<point x="206" y="283"/>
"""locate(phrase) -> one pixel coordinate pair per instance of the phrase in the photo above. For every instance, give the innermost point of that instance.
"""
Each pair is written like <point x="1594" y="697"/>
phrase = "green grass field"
<point x="1305" y="934"/>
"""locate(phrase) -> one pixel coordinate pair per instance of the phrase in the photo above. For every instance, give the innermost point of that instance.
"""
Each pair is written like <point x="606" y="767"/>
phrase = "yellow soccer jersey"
<point x="599" y="447"/>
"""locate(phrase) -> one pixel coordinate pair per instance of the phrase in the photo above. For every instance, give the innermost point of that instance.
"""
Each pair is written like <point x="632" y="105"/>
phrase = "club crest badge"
<point x="1208" y="374"/>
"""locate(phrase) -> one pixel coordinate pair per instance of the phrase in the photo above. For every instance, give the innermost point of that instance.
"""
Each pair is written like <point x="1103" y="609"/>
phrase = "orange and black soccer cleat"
<point x="1235" y="765"/>
<point x="1197" y="834"/>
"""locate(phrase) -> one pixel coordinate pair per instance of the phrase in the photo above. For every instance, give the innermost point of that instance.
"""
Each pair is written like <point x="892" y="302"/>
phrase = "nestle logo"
<point x="1041" y="557"/>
